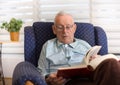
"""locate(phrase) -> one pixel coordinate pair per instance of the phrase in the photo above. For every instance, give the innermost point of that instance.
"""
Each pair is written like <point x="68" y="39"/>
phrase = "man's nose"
<point x="64" y="29"/>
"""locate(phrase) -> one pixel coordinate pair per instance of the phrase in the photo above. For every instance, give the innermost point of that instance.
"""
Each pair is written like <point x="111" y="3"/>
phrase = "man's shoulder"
<point x="50" y="42"/>
<point x="80" y="40"/>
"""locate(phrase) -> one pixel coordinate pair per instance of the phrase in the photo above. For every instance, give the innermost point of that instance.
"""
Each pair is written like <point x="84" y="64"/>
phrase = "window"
<point x="21" y="9"/>
<point x="103" y="13"/>
<point x="106" y="13"/>
<point x="80" y="9"/>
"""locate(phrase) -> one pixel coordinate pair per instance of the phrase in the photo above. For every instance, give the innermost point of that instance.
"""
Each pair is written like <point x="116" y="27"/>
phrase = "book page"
<point x="93" y="51"/>
<point x="95" y="62"/>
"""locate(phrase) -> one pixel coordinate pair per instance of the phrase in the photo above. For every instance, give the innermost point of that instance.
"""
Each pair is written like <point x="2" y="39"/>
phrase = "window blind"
<point x="106" y="13"/>
<point x="20" y="9"/>
<point x="103" y="13"/>
<point x="78" y="8"/>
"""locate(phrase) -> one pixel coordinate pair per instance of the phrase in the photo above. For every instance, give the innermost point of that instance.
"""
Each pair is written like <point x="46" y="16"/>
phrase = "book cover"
<point x="80" y="71"/>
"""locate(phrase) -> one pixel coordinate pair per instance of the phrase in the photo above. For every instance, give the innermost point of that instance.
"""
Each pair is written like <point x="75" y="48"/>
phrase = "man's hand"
<point x="93" y="57"/>
<point x="54" y="80"/>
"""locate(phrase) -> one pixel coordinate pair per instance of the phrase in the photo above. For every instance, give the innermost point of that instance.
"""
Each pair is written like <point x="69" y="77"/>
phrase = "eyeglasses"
<point x="61" y="27"/>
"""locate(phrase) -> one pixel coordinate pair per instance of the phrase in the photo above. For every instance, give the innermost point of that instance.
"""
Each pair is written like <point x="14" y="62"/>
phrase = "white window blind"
<point x="106" y="13"/>
<point x="103" y="13"/>
<point x="80" y="9"/>
<point x="20" y="9"/>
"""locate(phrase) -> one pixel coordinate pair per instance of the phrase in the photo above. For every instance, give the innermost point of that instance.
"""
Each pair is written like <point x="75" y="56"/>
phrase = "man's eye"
<point x="59" y="27"/>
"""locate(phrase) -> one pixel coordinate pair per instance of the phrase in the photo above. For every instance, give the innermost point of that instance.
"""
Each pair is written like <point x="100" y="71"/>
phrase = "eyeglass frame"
<point x="61" y="27"/>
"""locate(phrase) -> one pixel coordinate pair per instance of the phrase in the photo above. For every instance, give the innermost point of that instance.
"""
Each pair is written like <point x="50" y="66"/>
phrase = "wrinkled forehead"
<point x="64" y="19"/>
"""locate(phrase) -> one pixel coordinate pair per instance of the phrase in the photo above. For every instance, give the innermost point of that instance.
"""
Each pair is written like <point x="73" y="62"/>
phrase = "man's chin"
<point x="66" y="42"/>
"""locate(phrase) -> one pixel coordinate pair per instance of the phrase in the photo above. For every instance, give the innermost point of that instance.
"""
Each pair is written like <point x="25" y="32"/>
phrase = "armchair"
<point x="37" y="34"/>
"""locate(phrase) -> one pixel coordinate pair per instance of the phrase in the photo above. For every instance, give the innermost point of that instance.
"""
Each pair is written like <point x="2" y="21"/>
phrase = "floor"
<point x="8" y="81"/>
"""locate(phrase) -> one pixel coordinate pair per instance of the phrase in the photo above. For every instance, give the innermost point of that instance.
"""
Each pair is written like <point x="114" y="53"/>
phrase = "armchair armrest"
<point x="30" y="45"/>
<point x="25" y="71"/>
<point x="101" y="39"/>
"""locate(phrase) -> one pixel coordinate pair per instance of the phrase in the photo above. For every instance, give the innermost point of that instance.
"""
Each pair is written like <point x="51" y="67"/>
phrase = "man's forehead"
<point x="64" y="20"/>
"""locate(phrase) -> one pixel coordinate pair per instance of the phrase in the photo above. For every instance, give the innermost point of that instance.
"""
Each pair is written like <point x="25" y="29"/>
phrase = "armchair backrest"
<point x="37" y="34"/>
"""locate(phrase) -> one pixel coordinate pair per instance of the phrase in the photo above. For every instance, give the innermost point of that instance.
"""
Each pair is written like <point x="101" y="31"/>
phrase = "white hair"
<point x="61" y="13"/>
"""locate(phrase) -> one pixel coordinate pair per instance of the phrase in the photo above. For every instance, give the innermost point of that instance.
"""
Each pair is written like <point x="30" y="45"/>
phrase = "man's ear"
<point x="54" y="30"/>
<point x="75" y="27"/>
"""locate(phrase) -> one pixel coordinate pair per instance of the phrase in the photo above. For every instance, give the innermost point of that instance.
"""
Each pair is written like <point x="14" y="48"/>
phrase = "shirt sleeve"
<point x="42" y="65"/>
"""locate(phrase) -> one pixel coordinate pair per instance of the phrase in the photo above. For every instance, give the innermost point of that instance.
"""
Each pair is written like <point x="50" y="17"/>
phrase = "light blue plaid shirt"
<point x="55" y="54"/>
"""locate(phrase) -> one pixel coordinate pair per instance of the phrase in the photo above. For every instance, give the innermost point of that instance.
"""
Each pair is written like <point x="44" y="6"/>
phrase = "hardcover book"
<point x="85" y="70"/>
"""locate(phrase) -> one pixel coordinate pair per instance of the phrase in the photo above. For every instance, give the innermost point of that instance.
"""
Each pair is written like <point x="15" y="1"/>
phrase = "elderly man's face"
<point x="64" y="28"/>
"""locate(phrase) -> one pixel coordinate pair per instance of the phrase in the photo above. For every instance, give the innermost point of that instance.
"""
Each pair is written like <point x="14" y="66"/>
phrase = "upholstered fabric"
<point x="37" y="34"/>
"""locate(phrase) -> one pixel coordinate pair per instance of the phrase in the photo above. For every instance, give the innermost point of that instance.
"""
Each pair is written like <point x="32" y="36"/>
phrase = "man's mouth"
<point x="64" y="35"/>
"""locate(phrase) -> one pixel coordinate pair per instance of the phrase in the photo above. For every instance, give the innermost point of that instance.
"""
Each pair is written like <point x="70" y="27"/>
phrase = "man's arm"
<point x="42" y="62"/>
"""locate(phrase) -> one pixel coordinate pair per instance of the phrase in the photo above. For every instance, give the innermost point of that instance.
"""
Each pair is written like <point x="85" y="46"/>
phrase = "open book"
<point x="87" y="69"/>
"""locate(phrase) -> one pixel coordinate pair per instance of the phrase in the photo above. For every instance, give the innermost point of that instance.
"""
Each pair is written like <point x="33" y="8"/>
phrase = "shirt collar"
<point x="72" y="45"/>
<point x="59" y="43"/>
